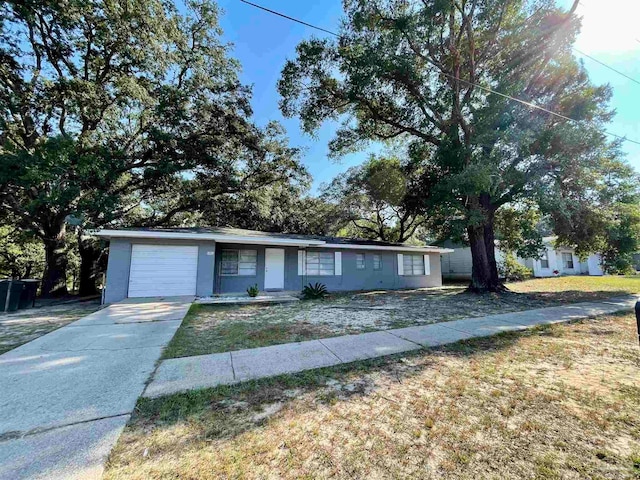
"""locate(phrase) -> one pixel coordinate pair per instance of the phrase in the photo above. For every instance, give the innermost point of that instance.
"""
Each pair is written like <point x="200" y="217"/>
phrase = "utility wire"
<point x="486" y="89"/>
<point x="582" y="4"/>
<point x="608" y="66"/>
<point x="287" y="17"/>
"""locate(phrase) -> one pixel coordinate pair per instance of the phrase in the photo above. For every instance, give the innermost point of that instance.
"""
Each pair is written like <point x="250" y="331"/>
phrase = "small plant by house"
<point x="512" y="270"/>
<point x="253" y="290"/>
<point x="311" y="292"/>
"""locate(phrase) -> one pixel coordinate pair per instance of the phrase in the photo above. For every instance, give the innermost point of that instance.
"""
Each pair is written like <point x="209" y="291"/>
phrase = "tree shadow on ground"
<point x="228" y="411"/>
<point x="459" y="292"/>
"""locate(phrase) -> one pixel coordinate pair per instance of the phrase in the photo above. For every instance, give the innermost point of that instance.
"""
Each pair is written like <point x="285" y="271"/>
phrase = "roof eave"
<point x="395" y="248"/>
<point x="258" y="240"/>
<point x="223" y="238"/>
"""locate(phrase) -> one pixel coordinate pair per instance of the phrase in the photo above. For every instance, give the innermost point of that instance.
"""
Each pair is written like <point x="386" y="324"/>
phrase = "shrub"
<point x="512" y="270"/>
<point x="310" y="292"/>
<point x="253" y="290"/>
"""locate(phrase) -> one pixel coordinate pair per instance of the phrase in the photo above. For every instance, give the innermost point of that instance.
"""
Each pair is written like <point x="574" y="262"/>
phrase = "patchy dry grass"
<point x="217" y="328"/>
<point x="556" y="402"/>
<point x="25" y="325"/>
<point x="220" y="328"/>
<point x="577" y="288"/>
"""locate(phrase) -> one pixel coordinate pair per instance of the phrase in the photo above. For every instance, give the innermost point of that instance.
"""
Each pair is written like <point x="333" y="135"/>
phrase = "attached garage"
<point x="163" y="270"/>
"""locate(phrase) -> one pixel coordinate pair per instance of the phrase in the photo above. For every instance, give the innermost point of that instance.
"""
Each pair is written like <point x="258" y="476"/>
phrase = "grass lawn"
<point x="26" y="325"/>
<point x="578" y="288"/>
<point x="218" y="328"/>
<point x="555" y="402"/>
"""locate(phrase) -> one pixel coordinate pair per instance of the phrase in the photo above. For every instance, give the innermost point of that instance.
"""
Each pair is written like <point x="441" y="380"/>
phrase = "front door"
<point x="273" y="268"/>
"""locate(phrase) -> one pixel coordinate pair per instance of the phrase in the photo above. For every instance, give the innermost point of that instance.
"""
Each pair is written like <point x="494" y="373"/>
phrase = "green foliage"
<point x="596" y="209"/>
<point x="21" y="255"/>
<point x="372" y="201"/>
<point x="520" y="230"/>
<point x="253" y="290"/>
<point x="408" y="72"/>
<point x="512" y="270"/>
<point x="281" y="207"/>
<point x="124" y="114"/>
<point x="622" y="240"/>
<point x="311" y="292"/>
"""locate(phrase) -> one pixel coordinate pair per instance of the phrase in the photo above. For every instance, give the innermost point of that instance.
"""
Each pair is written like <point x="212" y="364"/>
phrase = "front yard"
<point x="555" y="402"/>
<point x="213" y="329"/>
<point x="26" y="325"/>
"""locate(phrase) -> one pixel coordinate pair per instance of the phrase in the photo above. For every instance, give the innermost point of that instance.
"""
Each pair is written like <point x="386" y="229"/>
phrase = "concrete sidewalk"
<point x="187" y="373"/>
<point x="66" y="396"/>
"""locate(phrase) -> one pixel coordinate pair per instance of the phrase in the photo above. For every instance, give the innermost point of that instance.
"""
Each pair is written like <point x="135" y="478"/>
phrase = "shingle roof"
<point x="240" y="236"/>
<point x="257" y="233"/>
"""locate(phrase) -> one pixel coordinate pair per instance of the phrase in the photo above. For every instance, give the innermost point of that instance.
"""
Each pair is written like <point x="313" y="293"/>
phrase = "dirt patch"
<point x="27" y="325"/>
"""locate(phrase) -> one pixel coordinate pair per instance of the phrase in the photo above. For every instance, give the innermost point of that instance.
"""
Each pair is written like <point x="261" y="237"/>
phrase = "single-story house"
<point x="209" y="261"/>
<point x="457" y="264"/>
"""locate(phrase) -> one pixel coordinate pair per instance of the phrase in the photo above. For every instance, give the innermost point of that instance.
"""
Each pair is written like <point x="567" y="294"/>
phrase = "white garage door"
<point x="163" y="270"/>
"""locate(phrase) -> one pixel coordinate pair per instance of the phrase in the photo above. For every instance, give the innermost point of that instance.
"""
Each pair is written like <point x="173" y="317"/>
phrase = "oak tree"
<point x="107" y="107"/>
<point x="435" y="75"/>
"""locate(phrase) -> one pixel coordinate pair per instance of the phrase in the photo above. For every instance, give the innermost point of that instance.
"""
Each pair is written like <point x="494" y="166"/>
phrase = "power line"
<point x="608" y="66"/>
<point x="287" y="17"/>
<point x="582" y="4"/>
<point x="486" y="89"/>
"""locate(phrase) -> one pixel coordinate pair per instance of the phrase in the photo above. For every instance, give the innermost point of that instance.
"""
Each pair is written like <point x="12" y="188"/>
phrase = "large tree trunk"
<point x="490" y="245"/>
<point x="481" y="277"/>
<point x="54" y="280"/>
<point x="484" y="270"/>
<point x="89" y="254"/>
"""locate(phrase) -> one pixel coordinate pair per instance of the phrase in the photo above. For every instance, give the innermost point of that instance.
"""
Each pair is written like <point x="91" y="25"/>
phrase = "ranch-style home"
<point x="209" y="261"/>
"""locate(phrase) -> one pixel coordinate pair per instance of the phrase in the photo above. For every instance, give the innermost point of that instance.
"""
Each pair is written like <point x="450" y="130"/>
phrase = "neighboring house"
<point x="204" y="262"/>
<point x="457" y="264"/>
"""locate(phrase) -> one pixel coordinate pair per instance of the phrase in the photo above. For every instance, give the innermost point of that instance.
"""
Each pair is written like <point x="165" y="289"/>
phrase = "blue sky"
<point x="263" y="42"/>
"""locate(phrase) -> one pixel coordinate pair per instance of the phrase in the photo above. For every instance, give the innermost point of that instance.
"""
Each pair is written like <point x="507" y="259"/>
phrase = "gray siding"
<point x="457" y="264"/>
<point x="118" y="270"/>
<point x="119" y="264"/>
<point x="351" y="278"/>
<point x="209" y="281"/>
<point x="206" y="262"/>
<point x="240" y="283"/>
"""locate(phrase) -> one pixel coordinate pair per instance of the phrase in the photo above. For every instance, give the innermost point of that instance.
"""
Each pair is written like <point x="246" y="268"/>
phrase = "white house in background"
<point x="457" y="264"/>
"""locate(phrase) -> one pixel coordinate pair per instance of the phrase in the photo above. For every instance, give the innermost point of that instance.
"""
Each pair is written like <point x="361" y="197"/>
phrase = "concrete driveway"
<point x="66" y="396"/>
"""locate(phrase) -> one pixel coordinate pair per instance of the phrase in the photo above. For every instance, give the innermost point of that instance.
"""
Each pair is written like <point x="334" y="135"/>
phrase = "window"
<point x="360" y="261"/>
<point x="413" y="264"/>
<point x="567" y="261"/>
<point x="320" y="263"/>
<point x="377" y="262"/>
<point x="239" y="262"/>
<point x="544" y="260"/>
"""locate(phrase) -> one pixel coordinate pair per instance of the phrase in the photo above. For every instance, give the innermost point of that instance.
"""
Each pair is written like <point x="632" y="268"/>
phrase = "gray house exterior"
<point x="207" y="262"/>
